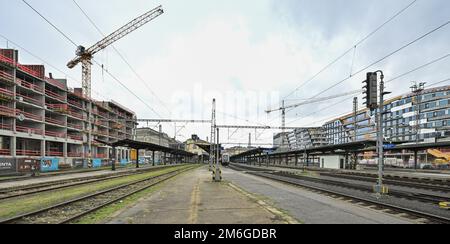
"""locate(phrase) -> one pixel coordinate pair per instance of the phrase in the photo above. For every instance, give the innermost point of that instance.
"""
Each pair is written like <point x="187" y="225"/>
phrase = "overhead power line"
<point x="50" y="23"/>
<point x="388" y="81"/>
<point x="353" y="47"/>
<point x="128" y="89"/>
<point x="385" y="57"/>
<point x="48" y="63"/>
<point x="121" y="56"/>
<point x="109" y="73"/>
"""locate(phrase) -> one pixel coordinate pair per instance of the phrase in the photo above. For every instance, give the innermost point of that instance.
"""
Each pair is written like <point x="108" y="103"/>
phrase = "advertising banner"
<point x="96" y="163"/>
<point x="27" y="165"/>
<point x="123" y="162"/>
<point x="7" y="165"/>
<point x="49" y="164"/>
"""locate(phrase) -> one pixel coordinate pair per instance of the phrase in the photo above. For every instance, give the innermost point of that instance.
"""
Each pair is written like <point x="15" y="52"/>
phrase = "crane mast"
<point x="84" y="56"/>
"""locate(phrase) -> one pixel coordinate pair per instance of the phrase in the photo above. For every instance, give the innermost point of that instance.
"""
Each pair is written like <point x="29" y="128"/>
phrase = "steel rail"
<point x="17" y="218"/>
<point x="420" y="214"/>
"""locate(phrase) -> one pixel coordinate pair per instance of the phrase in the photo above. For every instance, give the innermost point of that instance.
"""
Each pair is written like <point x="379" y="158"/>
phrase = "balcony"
<point x="74" y="126"/>
<point x="101" y="123"/>
<point x="5" y="152"/>
<point x="6" y="127"/>
<point x="75" y="114"/>
<point x="12" y="63"/>
<point x="55" y="83"/>
<point x="29" y="130"/>
<point x="102" y="114"/>
<point x="55" y="134"/>
<point x="54" y="154"/>
<point x="55" y="121"/>
<point x="30" y="115"/>
<point x="27" y="99"/>
<point x="29" y="85"/>
<point x="6" y="77"/>
<point x="7" y="111"/>
<point x="6" y="94"/>
<point x="100" y="133"/>
<point x="58" y="108"/>
<point x="55" y="95"/>
<point x="75" y="103"/>
<point x="75" y="154"/>
<point x="31" y="153"/>
<point x="76" y="137"/>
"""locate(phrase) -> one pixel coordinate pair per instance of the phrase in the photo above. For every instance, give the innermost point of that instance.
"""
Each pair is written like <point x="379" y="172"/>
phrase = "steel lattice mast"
<point x="85" y="56"/>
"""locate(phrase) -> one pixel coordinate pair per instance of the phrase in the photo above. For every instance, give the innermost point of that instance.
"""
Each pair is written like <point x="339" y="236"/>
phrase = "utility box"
<point x="332" y="162"/>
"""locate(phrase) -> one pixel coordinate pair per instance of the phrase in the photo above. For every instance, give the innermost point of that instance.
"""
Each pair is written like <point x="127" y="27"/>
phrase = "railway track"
<point x="72" y="210"/>
<point x="57" y="185"/>
<point x="368" y="201"/>
<point x="425" y="184"/>
<point x="417" y="185"/>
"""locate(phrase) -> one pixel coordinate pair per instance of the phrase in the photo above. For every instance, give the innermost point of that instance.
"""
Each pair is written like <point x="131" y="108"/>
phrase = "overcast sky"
<point x="247" y="54"/>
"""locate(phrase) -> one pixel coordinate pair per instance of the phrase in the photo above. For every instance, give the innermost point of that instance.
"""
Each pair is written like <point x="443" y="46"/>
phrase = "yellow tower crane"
<point x="84" y="56"/>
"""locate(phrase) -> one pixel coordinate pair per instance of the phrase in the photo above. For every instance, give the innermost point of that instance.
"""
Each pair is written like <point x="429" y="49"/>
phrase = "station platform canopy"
<point x="138" y="145"/>
<point x="255" y="151"/>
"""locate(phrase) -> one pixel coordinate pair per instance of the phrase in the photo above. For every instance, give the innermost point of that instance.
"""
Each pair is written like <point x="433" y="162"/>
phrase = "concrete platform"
<point x="68" y="176"/>
<point x="308" y="207"/>
<point x="193" y="198"/>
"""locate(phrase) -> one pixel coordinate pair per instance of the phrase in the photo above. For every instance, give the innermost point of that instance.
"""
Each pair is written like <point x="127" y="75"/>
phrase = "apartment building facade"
<point x="306" y="138"/>
<point x="423" y="117"/>
<point x="40" y="117"/>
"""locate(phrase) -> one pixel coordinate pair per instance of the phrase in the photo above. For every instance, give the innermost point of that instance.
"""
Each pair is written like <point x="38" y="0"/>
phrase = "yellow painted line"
<point x="195" y="201"/>
<point x="288" y="219"/>
<point x="444" y="205"/>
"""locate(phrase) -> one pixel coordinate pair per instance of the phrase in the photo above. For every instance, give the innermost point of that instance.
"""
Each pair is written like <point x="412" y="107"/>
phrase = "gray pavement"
<point x="309" y="207"/>
<point x="69" y="176"/>
<point x="193" y="198"/>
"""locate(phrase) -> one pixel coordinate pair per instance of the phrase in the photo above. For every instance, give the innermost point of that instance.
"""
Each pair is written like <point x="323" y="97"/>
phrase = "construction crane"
<point x="312" y="101"/>
<point x="85" y="56"/>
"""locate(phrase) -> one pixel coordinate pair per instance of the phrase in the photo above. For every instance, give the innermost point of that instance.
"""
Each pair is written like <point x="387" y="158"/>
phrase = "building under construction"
<point x="40" y="117"/>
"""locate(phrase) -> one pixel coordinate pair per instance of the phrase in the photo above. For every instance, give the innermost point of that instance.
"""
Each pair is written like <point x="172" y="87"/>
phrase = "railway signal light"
<point x="371" y="91"/>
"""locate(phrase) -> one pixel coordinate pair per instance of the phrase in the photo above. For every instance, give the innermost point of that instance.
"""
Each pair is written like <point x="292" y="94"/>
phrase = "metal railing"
<point x="20" y="66"/>
<point x="5" y="152"/>
<point x="29" y="85"/>
<point x="75" y="154"/>
<point x="7" y="111"/>
<point x="75" y="137"/>
<point x="6" y="77"/>
<point x="6" y="92"/>
<point x="54" y="154"/>
<point x="55" y="134"/>
<point x="75" y="114"/>
<point x="28" y="153"/>
<point x="28" y="99"/>
<point x="29" y="130"/>
<point x="55" y="121"/>
<point x="74" y="126"/>
<point x="30" y="115"/>
<point x="75" y="103"/>
<point x="55" y="83"/>
<point x="54" y="95"/>
<point x="6" y="127"/>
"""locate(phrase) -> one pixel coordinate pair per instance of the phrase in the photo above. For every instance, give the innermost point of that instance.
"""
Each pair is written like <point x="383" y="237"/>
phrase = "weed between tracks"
<point x="104" y="214"/>
<point x="21" y="205"/>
